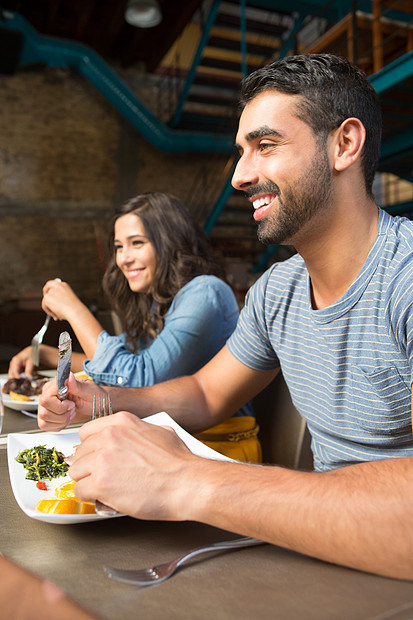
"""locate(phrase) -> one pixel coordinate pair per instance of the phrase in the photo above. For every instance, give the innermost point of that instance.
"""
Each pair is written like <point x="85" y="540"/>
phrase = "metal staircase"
<point x="231" y="45"/>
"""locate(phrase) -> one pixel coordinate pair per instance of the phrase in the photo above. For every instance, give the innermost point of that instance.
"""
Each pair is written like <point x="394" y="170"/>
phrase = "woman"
<point x="176" y="312"/>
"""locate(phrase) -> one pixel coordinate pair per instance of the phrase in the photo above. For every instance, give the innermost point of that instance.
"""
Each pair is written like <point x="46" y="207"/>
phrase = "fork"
<point x="100" y="411"/>
<point x="161" y="572"/>
<point x="37" y="341"/>
<point x="38" y="338"/>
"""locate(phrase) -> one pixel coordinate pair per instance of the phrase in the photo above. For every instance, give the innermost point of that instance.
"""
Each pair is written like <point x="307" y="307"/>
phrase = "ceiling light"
<point x="143" y="13"/>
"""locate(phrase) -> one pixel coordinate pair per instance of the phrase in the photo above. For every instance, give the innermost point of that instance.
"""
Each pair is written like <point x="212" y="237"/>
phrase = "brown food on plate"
<point x="25" y="387"/>
<point x="38" y="384"/>
<point x="18" y="386"/>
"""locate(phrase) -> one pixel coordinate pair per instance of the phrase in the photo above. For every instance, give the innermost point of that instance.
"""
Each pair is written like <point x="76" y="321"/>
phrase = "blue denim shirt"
<point x="201" y="318"/>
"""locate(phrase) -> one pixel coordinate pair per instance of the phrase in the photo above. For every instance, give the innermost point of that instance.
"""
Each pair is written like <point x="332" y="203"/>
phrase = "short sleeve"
<point x="250" y="343"/>
<point x="400" y="310"/>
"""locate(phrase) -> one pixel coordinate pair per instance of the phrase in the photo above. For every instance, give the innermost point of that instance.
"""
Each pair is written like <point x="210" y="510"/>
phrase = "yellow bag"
<point x="237" y="438"/>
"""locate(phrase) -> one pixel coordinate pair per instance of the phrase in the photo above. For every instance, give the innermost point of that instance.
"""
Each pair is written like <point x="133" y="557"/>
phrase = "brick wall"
<point x="66" y="158"/>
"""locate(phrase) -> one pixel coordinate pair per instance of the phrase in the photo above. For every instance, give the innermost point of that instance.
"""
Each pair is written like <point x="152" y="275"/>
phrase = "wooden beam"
<point x="377" y="38"/>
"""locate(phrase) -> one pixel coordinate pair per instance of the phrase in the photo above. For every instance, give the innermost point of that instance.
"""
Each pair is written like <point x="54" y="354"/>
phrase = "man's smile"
<point x="262" y="205"/>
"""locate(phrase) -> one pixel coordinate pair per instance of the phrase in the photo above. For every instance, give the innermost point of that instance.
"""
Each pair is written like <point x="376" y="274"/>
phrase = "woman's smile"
<point x="135" y="255"/>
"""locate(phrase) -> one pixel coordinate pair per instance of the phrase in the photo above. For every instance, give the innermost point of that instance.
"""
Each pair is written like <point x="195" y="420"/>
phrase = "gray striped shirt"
<point x="348" y="366"/>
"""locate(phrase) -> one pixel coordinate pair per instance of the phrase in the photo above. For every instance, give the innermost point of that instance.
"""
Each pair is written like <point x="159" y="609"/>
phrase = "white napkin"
<point x="196" y="446"/>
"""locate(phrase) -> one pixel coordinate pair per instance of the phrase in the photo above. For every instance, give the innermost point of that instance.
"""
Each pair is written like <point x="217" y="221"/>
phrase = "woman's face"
<point x="135" y="255"/>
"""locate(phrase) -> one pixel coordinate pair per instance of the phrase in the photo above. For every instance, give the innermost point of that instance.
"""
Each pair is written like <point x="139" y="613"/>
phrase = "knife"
<point x="63" y="364"/>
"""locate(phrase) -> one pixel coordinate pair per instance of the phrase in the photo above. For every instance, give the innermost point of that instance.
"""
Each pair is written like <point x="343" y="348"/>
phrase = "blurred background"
<point x="104" y="99"/>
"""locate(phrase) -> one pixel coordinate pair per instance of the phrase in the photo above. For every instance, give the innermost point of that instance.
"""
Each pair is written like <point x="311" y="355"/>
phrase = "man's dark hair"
<point x="331" y="89"/>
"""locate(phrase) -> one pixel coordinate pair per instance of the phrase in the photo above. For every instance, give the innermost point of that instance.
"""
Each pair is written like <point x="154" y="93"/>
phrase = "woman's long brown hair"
<point x="182" y="252"/>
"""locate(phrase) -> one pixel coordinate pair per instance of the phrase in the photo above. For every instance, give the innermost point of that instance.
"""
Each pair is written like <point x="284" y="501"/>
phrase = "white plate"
<point x="27" y="494"/>
<point x="25" y="491"/>
<point x="18" y="405"/>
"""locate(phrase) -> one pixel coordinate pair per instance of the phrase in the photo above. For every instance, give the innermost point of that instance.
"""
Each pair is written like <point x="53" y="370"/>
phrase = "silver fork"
<point x="100" y="411"/>
<point x="37" y="341"/>
<point x="38" y="338"/>
<point x="161" y="572"/>
<point x="103" y="408"/>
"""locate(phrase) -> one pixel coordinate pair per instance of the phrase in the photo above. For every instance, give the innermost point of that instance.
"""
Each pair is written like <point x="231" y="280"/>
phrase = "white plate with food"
<point x="14" y="399"/>
<point x="26" y="492"/>
<point x="23" y="394"/>
<point x="28" y="495"/>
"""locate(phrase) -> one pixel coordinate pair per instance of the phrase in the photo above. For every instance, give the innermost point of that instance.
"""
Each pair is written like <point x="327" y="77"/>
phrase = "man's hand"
<point x="137" y="468"/>
<point x="54" y="414"/>
<point x="21" y="364"/>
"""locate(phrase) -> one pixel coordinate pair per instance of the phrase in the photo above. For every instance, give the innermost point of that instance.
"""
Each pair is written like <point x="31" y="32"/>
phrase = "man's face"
<point x="283" y="169"/>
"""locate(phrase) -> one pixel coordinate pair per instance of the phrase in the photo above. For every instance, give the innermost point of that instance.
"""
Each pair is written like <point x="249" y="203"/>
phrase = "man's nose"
<point x="244" y="175"/>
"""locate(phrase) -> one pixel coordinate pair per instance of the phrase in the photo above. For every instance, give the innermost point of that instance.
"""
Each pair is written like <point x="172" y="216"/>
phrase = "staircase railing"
<point x="206" y="29"/>
<point x="60" y="53"/>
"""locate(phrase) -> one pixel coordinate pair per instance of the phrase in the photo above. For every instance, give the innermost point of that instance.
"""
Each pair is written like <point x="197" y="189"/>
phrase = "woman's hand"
<point x="54" y="414"/>
<point x="21" y="363"/>
<point x="60" y="301"/>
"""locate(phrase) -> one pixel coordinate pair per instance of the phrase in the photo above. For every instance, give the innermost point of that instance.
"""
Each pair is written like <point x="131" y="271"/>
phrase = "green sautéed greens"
<point x="41" y="462"/>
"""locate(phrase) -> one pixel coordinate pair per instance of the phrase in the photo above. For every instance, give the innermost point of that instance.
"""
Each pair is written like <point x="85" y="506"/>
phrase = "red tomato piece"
<point x="41" y="485"/>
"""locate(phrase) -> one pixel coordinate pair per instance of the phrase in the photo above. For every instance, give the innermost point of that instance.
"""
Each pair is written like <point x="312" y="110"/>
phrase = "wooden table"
<point x="264" y="582"/>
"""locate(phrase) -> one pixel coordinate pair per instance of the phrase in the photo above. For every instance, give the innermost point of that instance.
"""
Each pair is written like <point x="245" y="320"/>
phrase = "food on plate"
<point x="56" y="506"/>
<point x="18" y="386"/>
<point x="66" y="490"/>
<point x="65" y="502"/>
<point x="41" y="462"/>
<point x="25" y="387"/>
<point x="19" y="397"/>
<point x="82" y="375"/>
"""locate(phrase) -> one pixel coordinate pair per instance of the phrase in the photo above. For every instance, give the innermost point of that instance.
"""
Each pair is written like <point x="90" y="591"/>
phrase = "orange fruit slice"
<point x="64" y="506"/>
<point x="65" y="490"/>
<point x="15" y="396"/>
<point x="85" y="508"/>
<point x="57" y="506"/>
<point x="65" y="502"/>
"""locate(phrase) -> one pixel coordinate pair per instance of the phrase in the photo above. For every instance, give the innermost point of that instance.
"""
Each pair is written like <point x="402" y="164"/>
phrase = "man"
<point x="336" y="318"/>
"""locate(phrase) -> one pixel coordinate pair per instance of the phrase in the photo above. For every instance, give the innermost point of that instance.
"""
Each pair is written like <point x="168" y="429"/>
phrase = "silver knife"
<point x="63" y="364"/>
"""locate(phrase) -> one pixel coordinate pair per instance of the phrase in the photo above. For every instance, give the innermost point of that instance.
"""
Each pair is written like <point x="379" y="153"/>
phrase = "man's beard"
<point x="298" y="204"/>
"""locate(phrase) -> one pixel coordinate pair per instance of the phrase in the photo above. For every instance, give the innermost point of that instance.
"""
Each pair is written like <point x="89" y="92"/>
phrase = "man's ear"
<point x="349" y="140"/>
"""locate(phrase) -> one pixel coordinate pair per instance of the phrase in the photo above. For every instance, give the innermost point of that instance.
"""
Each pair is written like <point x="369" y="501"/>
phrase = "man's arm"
<point x="196" y="402"/>
<point x="358" y="516"/>
<point x="201" y="400"/>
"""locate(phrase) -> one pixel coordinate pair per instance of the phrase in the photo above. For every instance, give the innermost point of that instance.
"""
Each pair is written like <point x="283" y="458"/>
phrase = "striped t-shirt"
<point x="348" y="366"/>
